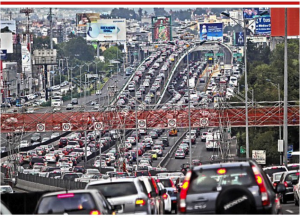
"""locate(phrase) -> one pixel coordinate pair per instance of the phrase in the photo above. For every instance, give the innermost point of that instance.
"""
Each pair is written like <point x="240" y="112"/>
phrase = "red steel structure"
<point x="78" y="121"/>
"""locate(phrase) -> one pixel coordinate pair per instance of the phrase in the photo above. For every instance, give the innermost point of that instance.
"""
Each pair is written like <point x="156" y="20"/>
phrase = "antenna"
<point x="27" y="12"/>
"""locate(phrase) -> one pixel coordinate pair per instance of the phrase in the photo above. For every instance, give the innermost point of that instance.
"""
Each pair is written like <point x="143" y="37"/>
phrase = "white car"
<point x="45" y="139"/>
<point x="30" y="110"/>
<point x="296" y="191"/>
<point x="24" y="144"/>
<point x="54" y="135"/>
<point x="131" y="140"/>
<point x="97" y="163"/>
<point x="167" y="199"/>
<point x="69" y="107"/>
<point x="128" y="145"/>
<point x="50" y="158"/>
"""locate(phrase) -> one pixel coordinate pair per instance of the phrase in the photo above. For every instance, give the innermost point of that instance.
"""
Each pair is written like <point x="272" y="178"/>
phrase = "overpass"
<point x="265" y="114"/>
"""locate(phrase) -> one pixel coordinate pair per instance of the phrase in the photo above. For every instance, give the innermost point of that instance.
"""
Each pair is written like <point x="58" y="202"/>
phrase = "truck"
<point x="227" y="70"/>
<point x="192" y="82"/>
<point x="213" y="141"/>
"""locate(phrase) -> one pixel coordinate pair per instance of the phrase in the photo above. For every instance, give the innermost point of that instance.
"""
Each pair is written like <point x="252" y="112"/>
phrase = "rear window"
<point x="69" y="202"/>
<point x="207" y="180"/>
<point x="71" y="177"/>
<point x="293" y="167"/>
<point x="37" y="160"/>
<point x="270" y="172"/>
<point x="52" y="175"/>
<point x="292" y="177"/>
<point x="166" y="182"/>
<point x="112" y="190"/>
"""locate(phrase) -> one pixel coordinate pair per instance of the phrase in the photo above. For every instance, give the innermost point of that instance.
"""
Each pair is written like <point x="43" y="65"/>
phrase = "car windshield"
<point x="6" y="189"/>
<point x="111" y="190"/>
<point x="207" y="180"/>
<point x="270" y="172"/>
<point x="69" y="202"/>
<point x="166" y="182"/>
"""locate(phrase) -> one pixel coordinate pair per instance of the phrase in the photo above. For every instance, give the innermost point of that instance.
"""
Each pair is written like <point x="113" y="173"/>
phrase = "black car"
<point x="288" y="179"/>
<point x="159" y="131"/>
<point x="165" y="140"/>
<point x="36" y="137"/>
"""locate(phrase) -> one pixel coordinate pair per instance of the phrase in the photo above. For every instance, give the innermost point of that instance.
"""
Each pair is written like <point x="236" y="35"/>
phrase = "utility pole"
<point x="285" y="97"/>
<point x="50" y="20"/>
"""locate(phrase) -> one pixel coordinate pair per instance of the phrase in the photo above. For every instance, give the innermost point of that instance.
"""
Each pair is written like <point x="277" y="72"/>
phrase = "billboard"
<point x="249" y="13"/>
<point x="162" y="29"/>
<point x="259" y="156"/>
<point x="107" y="30"/>
<point x="263" y="25"/>
<point x="82" y="19"/>
<point x="26" y="66"/>
<point x="9" y="24"/>
<point x="3" y="54"/>
<point x="6" y="42"/>
<point x="239" y="39"/>
<point x="278" y="21"/>
<point x="211" y="32"/>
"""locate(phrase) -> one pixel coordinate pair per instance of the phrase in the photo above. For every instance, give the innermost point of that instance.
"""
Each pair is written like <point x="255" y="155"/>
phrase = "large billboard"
<point x="249" y="13"/>
<point x="6" y="42"/>
<point x="278" y="21"/>
<point x="239" y="39"/>
<point x="107" y="30"/>
<point x="10" y="25"/>
<point x="211" y="32"/>
<point x="263" y="25"/>
<point x="82" y="19"/>
<point x="162" y="29"/>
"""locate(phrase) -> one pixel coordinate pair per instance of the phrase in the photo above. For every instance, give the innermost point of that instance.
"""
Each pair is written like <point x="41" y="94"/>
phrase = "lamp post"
<point x="80" y="66"/>
<point x="246" y="76"/>
<point x="279" y="104"/>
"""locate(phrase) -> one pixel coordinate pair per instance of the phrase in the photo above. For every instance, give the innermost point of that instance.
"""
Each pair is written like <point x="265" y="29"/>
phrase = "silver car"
<point x="125" y="194"/>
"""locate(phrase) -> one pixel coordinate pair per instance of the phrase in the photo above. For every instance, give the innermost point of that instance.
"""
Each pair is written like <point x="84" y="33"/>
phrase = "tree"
<point x="140" y="11"/>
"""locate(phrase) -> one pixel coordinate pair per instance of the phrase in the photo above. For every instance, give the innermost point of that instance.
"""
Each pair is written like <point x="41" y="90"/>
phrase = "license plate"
<point x="200" y="206"/>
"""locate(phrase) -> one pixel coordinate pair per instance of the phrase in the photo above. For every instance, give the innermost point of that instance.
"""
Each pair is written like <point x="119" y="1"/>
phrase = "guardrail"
<point x="172" y="74"/>
<point x="162" y="163"/>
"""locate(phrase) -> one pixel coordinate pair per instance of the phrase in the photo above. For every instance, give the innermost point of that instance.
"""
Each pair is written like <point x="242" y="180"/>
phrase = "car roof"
<point x="71" y="191"/>
<point x="226" y="164"/>
<point x="113" y="180"/>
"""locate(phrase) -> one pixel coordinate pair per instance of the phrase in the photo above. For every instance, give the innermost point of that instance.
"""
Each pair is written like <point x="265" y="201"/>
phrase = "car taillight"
<point x="165" y="196"/>
<point x="141" y="202"/>
<point x="149" y="195"/>
<point x="261" y="184"/>
<point x="67" y="195"/>
<point x="183" y="192"/>
<point x="285" y="184"/>
<point x="95" y="212"/>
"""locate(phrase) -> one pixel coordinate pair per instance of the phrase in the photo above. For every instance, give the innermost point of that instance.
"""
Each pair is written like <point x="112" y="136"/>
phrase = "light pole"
<point x="279" y="105"/>
<point x="136" y="130"/>
<point x="88" y="64"/>
<point x="80" y="66"/>
<point x="246" y="76"/>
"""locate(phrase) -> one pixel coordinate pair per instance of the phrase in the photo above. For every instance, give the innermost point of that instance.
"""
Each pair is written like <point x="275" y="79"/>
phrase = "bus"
<point x="56" y="101"/>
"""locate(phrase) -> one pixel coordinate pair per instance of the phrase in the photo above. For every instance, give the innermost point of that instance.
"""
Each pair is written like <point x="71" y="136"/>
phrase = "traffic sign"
<point x="209" y="54"/>
<point x="203" y="121"/>
<point x="66" y="127"/>
<point x="290" y="150"/>
<point x="98" y="125"/>
<point x="40" y="127"/>
<point x="142" y="124"/>
<point x="171" y="122"/>
<point x="242" y="150"/>
<point x="259" y="156"/>
<point x="220" y="54"/>
<point x="237" y="54"/>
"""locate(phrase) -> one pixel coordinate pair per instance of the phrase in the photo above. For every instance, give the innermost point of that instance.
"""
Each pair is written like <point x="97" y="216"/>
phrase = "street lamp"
<point x="246" y="82"/>
<point x="279" y="104"/>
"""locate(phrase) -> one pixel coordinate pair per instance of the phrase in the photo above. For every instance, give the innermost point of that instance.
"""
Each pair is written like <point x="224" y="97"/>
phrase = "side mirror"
<point x="280" y="188"/>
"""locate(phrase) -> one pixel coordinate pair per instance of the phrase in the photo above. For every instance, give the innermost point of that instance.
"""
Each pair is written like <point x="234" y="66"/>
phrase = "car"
<point x="98" y="92"/>
<point x="152" y="190"/>
<point x="54" y="135"/>
<point x="288" y="179"/>
<point x="126" y="193"/>
<point x="203" y="136"/>
<point x="171" y="190"/>
<point x="297" y="192"/>
<point x="238" y="187"/>
<point x="30" y="110"/>
<point x="45" y="139"/>
<point x="274" y="169"/>
<point x="6" y="189"/>
<point x="158" y="149"/>
<point x="180" y="154"/>
<point x="173" y="132"/>
<point x="89" y="202"/>
<point x="24" y="144"/>
<point x="166" y="198"/>
<point x="153" y="153"/>
<point x="74" y="101"/>
<point x="36" y="137"/>
<point x="69" y="107"/>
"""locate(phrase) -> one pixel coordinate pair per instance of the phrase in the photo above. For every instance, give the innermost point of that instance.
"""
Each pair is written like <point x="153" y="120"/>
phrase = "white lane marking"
<point x="290" y="211"/>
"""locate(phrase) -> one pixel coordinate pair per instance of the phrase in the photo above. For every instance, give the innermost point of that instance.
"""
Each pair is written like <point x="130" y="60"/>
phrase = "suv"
<point x="125" y="193"/>
<point x="288" y="179"/>
<point x="228" y="188"/>
<point x="151" y="189"/>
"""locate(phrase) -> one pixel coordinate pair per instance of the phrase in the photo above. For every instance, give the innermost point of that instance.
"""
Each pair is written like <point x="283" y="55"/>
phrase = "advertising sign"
<point x="211" y="32"/>
<point x="6" y="42"/>
<point x="259" y="156"/>
<point x="82" y="19"/>
<point x="26" y="66"/>
<point x="250" y="12"/>
<point x="162" y="29"/>
<point x="278" y="21"/>
<point x="3" y="53"/>
<point x="107" y="30"/>
<point x="263" y="25"/>
<point x="239" y="39"/>
<point x="10" y="25"/>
